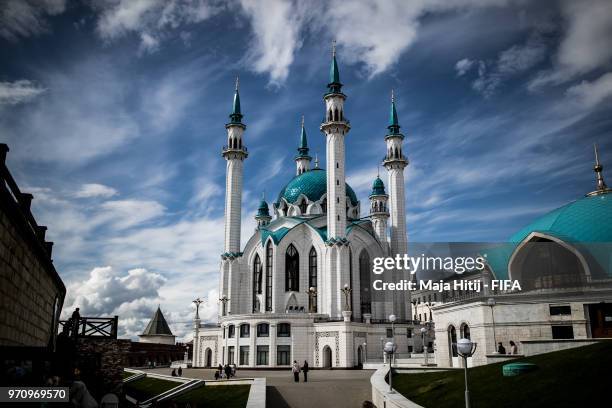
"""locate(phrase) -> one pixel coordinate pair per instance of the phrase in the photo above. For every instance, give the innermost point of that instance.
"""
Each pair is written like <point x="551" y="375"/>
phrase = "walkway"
<point x="325" y="388"/>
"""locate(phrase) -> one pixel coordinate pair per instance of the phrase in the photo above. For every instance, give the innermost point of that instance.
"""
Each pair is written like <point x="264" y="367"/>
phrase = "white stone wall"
<point x="336" y="187"/>
<point x="233" y="201"/>
<point x="399" y="238"/>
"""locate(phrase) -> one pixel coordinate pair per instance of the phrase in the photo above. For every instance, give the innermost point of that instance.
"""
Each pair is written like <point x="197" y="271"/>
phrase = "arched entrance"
<point x="452" y="339"/>
<point x="208" y="358"/>
<point x="327" y="357"/>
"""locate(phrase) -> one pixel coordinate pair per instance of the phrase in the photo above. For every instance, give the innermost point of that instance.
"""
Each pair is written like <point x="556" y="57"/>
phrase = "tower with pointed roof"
<point x="302" y="160"/>
<point x="235" y="152"/>
<point x="379" y="211"/>
<point x="395" y="162"/>
<point x="336" y="127"/>
<point x="157" y="331"/>
<point x="600" y="184"/>
<point x="263" y="213"/>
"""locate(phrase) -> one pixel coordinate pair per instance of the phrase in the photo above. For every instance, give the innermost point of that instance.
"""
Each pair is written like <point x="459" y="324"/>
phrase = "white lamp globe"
<point x="423" y="330"/>
<point x="346" y="286"/>
<point x="389" y="347"/>
<point x="491" y="302"/>
<point x="392" y="318"/>
<point x="464" y="346"/>
<point x="312" y="289"/>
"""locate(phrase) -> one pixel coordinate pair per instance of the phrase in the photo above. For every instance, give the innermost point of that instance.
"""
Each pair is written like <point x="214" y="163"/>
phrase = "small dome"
<point x="588" y="219"/>
<point x="263" y="210"/>
<point x="313" y="184"/>
<point x="378" y="187"/>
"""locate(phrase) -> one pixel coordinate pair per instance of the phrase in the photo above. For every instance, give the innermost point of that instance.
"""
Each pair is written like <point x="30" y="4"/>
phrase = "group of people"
<point x="502" y="350"/>
<point x="177" y="373"/>
<point x="227" y="371"/>
<point x="295" y="368"/>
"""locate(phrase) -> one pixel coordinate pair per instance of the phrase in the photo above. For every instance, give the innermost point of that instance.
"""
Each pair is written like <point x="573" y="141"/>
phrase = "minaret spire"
<point x="394" y="127"/>
<point x="602" y="188"/>
<point x="302" y="160"/>
<point x="334" y="85"/>
<point x="236" y="115"/>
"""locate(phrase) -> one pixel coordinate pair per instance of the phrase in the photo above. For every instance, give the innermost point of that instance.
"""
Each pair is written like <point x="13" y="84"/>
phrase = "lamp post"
<point x="491" y="304"/>
<point x="224" y="299"/>
<point x="423" y="332"/>
<point x="465" y="348"/>
<point x="347" y="292"/>
<point x="198" y="302"/>
<point x="382" y="346"/>
<point x="414" y="309"/>
<point x="365" y="352"/>
<point x="390" y="349"/>
<point x="392" y="319"/>
<point x="312" y="295"/>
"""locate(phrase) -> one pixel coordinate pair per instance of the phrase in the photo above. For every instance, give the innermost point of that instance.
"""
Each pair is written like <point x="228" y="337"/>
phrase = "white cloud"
<point x="463" y="66"/>
<point x="124" y="214"/>
<point x="95" y="190"/>
<point x="586" y="95"/>
<point x="585" y="45"/>
<point x="13" y="93"/>
<point x="513" y="61"/>
<point x="150" y="19"/>
<point x="107" y="291"/>
<point x="24" y="18"/>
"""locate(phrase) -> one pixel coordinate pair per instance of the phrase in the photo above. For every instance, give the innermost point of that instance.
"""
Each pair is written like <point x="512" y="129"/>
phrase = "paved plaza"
<point x="325" y="388"/>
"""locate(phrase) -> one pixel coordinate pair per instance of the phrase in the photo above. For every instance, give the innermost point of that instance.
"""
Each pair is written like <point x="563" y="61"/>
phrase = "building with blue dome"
<point x="563" y="263"/>
<point x="301" y="287"/>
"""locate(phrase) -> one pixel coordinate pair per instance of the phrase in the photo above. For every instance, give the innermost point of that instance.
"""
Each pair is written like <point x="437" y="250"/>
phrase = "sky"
<point x="114" y="112"/>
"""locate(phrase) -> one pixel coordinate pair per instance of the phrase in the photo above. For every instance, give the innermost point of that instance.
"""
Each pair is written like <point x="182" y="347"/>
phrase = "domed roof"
<point x="378" y="187"/>
<point x="588" y="219"/>
<point x="313" y="184"/>
<point x="263" y="210"/>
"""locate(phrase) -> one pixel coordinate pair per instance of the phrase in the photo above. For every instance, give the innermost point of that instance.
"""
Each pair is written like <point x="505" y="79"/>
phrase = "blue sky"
<point x="115" y="110"/>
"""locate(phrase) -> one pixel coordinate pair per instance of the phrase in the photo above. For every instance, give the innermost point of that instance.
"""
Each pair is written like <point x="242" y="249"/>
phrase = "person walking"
<point x="75" y="322"/>
<point x="500" y="348"/>
<point x="180" y="371"/>
<point x="174" y="372"/>
<point x="296" y="371"/>
<point x="305" y="370"/>
<point x="228" y="371"/>
<point x="216" y="375"/>
<point x="513" y="348"/>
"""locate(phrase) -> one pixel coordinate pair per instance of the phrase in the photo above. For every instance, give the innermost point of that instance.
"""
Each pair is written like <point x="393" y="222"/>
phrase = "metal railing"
<point x="90" y="327"/>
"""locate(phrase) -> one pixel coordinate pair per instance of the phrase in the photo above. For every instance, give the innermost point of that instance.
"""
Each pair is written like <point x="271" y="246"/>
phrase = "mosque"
<point x="300" y="289"/>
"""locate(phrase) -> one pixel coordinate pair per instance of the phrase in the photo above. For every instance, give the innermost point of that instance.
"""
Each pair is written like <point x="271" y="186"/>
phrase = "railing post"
<point x="115" y="326"/>
<point x="82" y="321"/>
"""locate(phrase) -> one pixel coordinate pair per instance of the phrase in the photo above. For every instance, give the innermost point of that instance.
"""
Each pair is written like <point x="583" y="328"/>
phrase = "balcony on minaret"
<point x="235" y="151"/>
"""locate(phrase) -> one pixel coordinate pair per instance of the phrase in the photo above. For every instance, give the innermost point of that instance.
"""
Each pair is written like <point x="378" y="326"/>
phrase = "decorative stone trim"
<point x="337" y="242"/>
<point x="334" y="334"/>
<point x="231" y="255"/>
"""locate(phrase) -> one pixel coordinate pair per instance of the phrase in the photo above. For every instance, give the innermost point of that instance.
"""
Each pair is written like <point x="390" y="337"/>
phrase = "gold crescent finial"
<point x="392" y="96"/>
<point x="302" y="120"/>
<point x="237" y="82"/>
<point x="333" y="48"/>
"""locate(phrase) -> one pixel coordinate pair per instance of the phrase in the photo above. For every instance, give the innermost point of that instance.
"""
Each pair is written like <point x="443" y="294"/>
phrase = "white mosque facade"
<point x="300" y="288"/>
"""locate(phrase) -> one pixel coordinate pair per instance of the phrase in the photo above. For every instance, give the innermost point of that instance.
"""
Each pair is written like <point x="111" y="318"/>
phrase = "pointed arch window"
<point x="269" y="277"/>
<point x="364" y="282"/>
<point x="257" y="280"/>
<point x="312" y="279"/>
<point x="292" y="269"/>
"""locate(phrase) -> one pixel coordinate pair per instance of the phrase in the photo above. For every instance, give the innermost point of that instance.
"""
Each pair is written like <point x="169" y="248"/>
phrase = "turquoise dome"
<point x="263" y="210"/>
<point x="378" y="187"/>
<point x="588" y="219"/>
<point x="313" y="184"/>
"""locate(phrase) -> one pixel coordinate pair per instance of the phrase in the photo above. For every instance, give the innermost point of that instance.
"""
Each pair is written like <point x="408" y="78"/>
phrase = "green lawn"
<point x="577" y="377"/>
<point x="148" y="387"/>
<point x="226" y="396"/>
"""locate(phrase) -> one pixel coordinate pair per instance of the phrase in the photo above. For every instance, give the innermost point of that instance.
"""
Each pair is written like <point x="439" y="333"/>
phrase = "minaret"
<point x="379" y="212"/>
<point x="602" y="188"/>
<point x="263" y="213"/>
<point x="335" y="128"/>
<point x="395" y="162"/>
<point x="234" y="153"/>
<point x="302" y="160"/>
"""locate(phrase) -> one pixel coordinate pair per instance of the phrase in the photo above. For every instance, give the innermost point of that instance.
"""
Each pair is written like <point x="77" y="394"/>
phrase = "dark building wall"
<point x="31" y="291"/>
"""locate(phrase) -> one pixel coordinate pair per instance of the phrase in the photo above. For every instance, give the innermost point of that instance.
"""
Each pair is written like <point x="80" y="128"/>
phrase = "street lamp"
<point x="414" y="309"/>
<point x="198" y="302"/>
<point x="365" y="352"/>
<point x="465" y="348"/>
<point x="392" y="319"/>
<point x="347" y="292"/>
<point x="491" y="304"/>
<point x="224" y="301"/>
<point x="382" y="347"/>
<point x="312" y="295"/>
<point x="423" y="332"/>
<point x="390" y="349"/>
